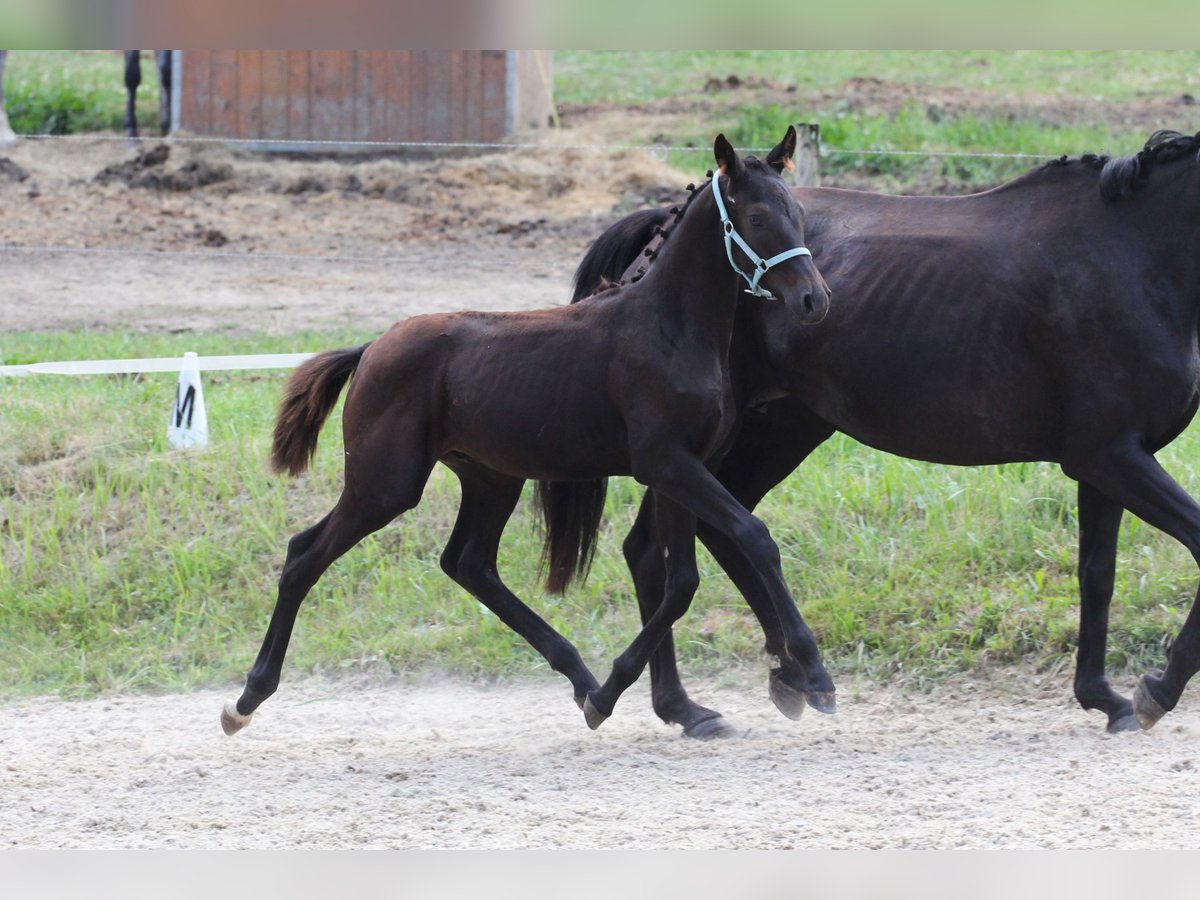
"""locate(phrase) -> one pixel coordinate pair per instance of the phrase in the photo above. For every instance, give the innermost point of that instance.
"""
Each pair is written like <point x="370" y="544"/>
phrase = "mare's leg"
<point x="383" y="480"/>
<point x="488" y="500"/>
<point x="644" y="556"/>
<point x="1099" y="527"/>
<point x="676" y="532"/>
<point x="133" y="80"/>
<point x="162" y="61"/>
<point x="686" y="481"/>
<point x="1130" y="476"/>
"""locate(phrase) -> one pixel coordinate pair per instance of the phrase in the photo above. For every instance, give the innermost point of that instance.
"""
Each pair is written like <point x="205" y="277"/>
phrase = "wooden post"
<point x="808" y="155"/>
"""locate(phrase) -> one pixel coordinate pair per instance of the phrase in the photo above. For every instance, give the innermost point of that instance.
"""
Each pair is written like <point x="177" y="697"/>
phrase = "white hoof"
<point x="233" y="721"/>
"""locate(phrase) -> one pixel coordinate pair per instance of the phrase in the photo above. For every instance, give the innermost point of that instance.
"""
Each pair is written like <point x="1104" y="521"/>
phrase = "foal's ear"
<point x="780" y="158"/>
<point x="727" y="159"/>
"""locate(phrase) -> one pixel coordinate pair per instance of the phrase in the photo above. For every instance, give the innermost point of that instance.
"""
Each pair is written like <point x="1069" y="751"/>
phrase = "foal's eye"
<point x="756" y="220"/>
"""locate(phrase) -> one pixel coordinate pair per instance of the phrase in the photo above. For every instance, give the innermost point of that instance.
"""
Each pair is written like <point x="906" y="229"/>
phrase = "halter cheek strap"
<point x="760" y="265"/>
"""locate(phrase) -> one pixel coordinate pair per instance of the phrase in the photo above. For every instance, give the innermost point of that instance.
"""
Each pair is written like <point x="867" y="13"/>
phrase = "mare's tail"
<point x="308" y="398"/>
<point x="572" y="510"/>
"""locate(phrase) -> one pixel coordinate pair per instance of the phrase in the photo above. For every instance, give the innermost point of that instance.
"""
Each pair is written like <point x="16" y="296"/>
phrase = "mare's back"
<point x="952" y="326"/>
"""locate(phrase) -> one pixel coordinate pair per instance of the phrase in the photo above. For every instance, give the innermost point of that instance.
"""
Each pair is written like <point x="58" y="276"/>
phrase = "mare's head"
<point x="765" y="229"/>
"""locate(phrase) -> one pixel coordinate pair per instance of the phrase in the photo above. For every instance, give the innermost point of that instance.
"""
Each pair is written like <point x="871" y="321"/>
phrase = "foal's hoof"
<point x="592" y="716"/>
<point x="786" y="698"/>
<point x="233" y="721"/>
<point x="822" y="701"/>
<point x="712" y="728"/>
<point x="1145" y="707"/>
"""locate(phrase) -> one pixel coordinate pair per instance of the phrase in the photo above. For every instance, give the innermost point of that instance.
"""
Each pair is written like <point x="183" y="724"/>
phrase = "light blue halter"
<point x="760" y="265"/>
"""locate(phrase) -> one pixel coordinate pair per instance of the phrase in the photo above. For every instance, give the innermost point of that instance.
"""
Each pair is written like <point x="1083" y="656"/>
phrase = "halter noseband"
<point x="760" y="265"/>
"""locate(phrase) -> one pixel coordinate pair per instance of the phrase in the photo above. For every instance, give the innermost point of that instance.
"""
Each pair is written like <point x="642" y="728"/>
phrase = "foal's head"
<point x="769" y="220"/>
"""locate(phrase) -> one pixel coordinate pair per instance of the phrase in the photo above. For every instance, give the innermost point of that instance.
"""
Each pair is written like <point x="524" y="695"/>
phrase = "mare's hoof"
<point x="233" y="721"/>
<point x="1122" y="724"/>
<point x="1145" y="707"/>
<point x="786" y="698"/>
<point x="591" y="715"/>
<point x="580" y="701"/>
<point x="709" y="729"/>
<point x="823" y="701"/>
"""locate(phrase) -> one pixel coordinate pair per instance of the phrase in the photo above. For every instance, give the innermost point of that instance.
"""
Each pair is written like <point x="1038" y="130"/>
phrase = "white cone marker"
<point x="188" y="427"/>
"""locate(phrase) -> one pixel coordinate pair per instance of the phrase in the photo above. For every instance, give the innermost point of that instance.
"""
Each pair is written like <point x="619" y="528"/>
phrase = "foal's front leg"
<point x="694" y="488"/>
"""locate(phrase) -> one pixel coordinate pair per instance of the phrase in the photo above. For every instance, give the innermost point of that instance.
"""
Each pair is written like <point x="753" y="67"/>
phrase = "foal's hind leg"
<point x="488" y="500"/>
<point x="385" y="476"/>
<point x="1132" y="477"/>
<point x="309" y="554"/>
<point x="1099" y="527"/>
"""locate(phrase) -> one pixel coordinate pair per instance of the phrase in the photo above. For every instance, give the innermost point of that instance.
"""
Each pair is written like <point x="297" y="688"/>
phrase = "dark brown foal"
<point x="634" y="382"/>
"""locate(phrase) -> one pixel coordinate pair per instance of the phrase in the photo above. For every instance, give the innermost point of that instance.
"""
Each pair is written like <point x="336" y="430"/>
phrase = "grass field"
<point x="125" y="564"/>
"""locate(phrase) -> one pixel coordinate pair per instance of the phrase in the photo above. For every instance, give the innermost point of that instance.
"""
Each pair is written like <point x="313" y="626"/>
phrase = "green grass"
<point x="911" y="145"/>
<point x="73" y="91"/>
<point x="918" y="127"/>
<point x="125" y="564"/>
<point x="589" y="76"/>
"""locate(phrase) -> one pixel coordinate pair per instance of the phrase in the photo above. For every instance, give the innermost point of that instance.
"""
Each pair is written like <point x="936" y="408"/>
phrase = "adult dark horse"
<point x="1052" y="318"/>
<point x="634" y="382"/>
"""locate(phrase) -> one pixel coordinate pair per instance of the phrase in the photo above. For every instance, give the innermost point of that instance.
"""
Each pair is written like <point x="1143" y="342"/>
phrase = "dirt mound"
<point x="148" y="170"/>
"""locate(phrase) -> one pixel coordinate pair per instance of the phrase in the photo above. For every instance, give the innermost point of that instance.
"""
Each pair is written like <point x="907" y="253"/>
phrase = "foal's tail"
<point x="308" y="398"/>
<point x="572" y="511"/>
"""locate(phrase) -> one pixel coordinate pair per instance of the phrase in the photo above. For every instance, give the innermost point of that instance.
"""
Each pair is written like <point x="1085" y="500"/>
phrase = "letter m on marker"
<point x="185" y="406"/>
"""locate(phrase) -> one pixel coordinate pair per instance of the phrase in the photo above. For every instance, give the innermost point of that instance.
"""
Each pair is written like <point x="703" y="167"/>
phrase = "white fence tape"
<point x="157" y="364"/>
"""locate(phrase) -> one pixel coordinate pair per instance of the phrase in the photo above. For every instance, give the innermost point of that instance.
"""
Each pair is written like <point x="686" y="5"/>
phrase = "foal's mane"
<point x="1122" y="175"/>
<point x="607" y="286"/>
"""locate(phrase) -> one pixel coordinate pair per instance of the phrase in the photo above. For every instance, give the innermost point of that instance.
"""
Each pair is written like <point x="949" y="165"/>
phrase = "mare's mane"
<point x="1122" y="175"/>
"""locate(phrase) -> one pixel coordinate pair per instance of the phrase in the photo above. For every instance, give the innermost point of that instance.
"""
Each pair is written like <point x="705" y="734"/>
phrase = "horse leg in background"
<point x="1099" y="528"/>
<point x="675" y="529"/>
<point x="644" y="556"/>
<point x="6" y="133"/>
<point x="133" y="80"/>
<point x="383" y="480"/>
<point x="1129" y="475"/>
<point x="488" y="500"/>
<point x="162" y="62"/>
<point x="686" y="481"/>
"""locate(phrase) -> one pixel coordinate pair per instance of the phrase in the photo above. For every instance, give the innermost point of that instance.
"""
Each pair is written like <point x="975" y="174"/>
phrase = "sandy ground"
<point x="999" y="763"/>
<point x="204" y="240"/>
